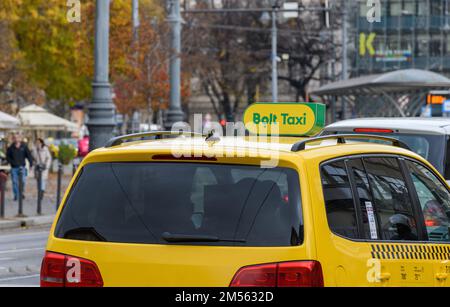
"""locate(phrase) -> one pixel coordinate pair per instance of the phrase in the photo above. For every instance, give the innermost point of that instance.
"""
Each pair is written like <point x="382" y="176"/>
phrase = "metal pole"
<point x="135" y="18"/>
<point x="344" y="41"/>
<point x="101" y="110"/>
<point x="58" y="185"/>
<point x="175" y="113"/>
<point x="333" y="61"/>
<point x="274" y="54"/>
<point x="20" y="213"/>
<point x="344" y="108"/>
<point x="333" y="98"/>
<point x="344" y="54"/>
<point x="39" y="189"/>
<point x="135" y="46"/>
<point x="333" y="109"/>
<point x="2" y="196"/>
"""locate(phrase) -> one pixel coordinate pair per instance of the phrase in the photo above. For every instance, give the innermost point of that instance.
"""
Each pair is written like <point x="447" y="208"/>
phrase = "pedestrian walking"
<point x="43" y="160"/>
<point x="17" y="154"/>
<point x="83" y="146"/>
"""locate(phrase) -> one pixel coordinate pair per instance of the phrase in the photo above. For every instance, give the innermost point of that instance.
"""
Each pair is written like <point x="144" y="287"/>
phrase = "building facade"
<point x="409" y="34"/>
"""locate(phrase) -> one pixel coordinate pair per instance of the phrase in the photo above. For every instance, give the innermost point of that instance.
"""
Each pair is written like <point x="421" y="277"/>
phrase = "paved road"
<point x="21" y="253"/>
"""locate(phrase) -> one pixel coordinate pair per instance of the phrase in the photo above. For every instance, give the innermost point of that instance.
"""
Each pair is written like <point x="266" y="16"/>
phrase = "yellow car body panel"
<point x="375" y="263"/>
<point x="344" y="262"/>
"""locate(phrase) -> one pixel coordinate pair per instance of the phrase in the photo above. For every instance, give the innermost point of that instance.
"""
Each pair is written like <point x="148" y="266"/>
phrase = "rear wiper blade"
<point x="84" y="234"/>
<point x="179" y="238"/>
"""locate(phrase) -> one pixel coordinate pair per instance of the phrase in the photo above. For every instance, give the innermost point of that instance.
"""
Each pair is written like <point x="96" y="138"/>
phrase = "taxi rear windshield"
<point x="184" y="203"/>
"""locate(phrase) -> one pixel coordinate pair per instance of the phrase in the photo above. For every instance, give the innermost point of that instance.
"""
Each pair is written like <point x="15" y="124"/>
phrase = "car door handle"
<point x="441" y="276"/>
<point x="384" y="277"/>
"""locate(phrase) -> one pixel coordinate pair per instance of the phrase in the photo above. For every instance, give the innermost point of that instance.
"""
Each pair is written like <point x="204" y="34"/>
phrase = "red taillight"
<point x="300" y="274"/>
<point x="372" y="130"/>
<point x="264" y="275"/>
<point x="431" y="223"/>
<point x="53" y="270"/>
<point x="59" y="270"/>
<point x="284" y="274"/>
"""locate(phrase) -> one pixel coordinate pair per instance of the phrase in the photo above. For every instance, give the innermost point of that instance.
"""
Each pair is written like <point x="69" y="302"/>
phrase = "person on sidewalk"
<point x="43" y="160"/>
<point x="83" y="147"/>
<point x="17" y="154"/>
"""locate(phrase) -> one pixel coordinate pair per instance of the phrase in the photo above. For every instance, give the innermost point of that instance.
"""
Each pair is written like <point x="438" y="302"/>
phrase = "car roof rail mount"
<point x="159" y="134"/>
<point x="341" y="139"/>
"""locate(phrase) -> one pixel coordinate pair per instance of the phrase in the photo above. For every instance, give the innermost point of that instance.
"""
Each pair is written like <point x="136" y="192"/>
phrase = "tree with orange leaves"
<point x="141" y="83"/>
<point x="55" y="57"/>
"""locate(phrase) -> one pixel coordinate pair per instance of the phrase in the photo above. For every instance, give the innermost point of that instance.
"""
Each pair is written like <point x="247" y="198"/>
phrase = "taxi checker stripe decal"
<point x="410" y="251"/>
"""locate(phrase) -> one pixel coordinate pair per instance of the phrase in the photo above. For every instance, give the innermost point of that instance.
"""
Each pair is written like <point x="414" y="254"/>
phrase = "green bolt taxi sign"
<point x="285" y="119"/>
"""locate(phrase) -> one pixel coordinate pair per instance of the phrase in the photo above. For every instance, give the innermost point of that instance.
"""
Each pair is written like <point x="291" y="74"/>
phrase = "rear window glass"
<point x="184" y="203"/>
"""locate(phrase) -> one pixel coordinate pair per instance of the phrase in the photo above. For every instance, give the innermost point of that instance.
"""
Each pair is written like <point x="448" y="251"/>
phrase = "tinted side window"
<point x="369" y="220"/>
<point x="391" y="198"/>
<point x="339" y="200"/>
<point x="434" y="199"/>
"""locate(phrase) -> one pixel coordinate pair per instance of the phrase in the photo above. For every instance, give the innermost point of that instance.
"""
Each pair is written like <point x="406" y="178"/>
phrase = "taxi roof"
<point x="267" y="142"/>
<point x="319" y="149"/>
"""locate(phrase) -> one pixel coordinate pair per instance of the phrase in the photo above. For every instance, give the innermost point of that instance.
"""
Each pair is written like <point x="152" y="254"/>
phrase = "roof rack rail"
<point x="120" y="139"/>
<point x="341" y="139"/>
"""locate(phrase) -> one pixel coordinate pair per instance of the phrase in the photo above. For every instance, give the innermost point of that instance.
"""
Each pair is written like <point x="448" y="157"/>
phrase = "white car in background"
<point x="429" y="137"/>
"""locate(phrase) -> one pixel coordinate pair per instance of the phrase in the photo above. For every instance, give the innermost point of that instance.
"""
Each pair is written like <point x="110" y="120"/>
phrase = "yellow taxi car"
<point x="329" y="213"/>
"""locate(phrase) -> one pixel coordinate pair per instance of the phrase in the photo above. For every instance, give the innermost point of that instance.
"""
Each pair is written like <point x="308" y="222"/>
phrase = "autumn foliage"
<point x="43" y="55"/>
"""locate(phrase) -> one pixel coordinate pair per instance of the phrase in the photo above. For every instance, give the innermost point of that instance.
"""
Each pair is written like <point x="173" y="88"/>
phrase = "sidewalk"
<point x="25" y="222"/>
<point x="30" y="203"/>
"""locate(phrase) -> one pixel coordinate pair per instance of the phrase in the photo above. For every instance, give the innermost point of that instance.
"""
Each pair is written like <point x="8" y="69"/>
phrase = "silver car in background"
<point x="429" y="137"/>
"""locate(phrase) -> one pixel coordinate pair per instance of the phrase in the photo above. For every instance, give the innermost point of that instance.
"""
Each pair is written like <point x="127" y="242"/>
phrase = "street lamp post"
<point x="135" y="17"/>
<point x="101" y="110"/>
<point x="274" y="53"/>
<point x="175" y="113"/>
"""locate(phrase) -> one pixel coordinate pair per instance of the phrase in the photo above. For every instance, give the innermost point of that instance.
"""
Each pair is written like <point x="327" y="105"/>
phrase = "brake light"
<point x="372" y="130"/>
<point x="256" y="276"/>
<point x="59" y="270"/>
<point x="431" y="223"/>
<point x="171" y="157"/>
<point x="53" y="270"/>
<point x="284" y="274"/>
<point x="300" y="274"/>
